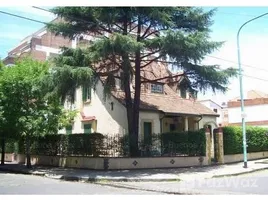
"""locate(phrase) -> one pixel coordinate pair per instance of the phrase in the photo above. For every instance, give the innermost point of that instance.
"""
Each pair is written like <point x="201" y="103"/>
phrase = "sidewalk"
<point x="145" y="175"/>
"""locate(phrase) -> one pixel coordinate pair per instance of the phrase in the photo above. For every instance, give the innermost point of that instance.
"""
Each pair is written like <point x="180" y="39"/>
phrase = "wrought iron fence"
<point x="117" y="145"/>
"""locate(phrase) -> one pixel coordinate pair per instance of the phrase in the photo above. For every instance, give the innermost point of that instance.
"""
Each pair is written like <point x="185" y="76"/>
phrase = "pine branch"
<point x="131" y="29"/>
<point x="149" y="54"/>
<point x="146" y="31"/>
<point x="151" y="61"/>
<point x="154" y="32"/>
<point x="108" y="73"/>
<point x="159" y="79"/>
<point x="121" y="28"/>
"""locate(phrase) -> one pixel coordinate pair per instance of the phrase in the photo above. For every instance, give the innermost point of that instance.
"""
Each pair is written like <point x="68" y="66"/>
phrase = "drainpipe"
<point x="201" y="117"/>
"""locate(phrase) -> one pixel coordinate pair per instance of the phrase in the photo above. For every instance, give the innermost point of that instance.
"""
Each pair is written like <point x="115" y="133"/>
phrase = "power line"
<point x="230" y="61"/>
<point x="26" y="18"/>
<point x="37" y="21"/>
<point x="227" y="13"/>
<point x="254" y="77"/>
<point x="74" y="18"/>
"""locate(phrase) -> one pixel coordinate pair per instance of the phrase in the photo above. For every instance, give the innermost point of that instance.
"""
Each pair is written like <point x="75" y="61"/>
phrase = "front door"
<point x="147" y="130"/>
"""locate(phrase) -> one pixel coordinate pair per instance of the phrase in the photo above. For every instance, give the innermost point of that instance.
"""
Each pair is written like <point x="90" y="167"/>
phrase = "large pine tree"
<point x="131" y="38"/>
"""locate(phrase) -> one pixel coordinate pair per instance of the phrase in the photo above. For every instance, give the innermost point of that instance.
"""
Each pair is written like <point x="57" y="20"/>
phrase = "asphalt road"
<point x="27" y="184"/>
<point x="254" y="183"/>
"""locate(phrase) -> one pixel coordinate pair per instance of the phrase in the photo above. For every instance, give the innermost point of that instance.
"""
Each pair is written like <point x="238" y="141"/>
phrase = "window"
<point x="172" y="127"/>
<point x="69" y="129"/>
<point x="87" y="128"/>
<point x="86" y="93"/>
<point x="156" y="88"/>
<point x="183" y="92"/>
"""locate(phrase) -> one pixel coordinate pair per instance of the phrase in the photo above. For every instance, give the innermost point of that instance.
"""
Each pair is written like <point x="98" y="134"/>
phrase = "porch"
<point x="179" y="123"/>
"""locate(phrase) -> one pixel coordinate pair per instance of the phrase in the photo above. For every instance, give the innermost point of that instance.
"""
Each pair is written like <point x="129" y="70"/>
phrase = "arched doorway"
<point x="212" y="126"/>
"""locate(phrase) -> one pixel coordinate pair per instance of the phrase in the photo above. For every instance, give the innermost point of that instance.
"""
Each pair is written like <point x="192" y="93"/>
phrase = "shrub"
<point x="62" y="144"/>
<point x="191" y="143"/>
<point x="257" y="140"/>
<point x="10" y="146"/>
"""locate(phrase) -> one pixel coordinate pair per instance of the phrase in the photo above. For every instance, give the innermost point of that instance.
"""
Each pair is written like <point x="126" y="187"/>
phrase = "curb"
<point x="103" y="180"/>
<point x="240" y="173"/>
<point x="88" y="179"/>
<point x="14" y="171"/>
<point x="184" y="191"/>
<point x="95" y="180"/>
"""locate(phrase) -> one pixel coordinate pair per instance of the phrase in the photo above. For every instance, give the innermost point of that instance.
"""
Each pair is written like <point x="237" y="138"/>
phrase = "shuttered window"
<point x="86" y="93"/>
<point x="87" y="128"/>
<point x="69" y="129"/>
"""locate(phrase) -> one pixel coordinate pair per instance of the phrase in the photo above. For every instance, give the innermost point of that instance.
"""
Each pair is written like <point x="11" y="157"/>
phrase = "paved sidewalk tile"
<point x="157" y="175"/>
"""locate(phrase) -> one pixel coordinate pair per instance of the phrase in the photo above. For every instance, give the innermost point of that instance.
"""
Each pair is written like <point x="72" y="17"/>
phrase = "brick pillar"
<point x="219" y="146"/>
<point x="208" y="146"/>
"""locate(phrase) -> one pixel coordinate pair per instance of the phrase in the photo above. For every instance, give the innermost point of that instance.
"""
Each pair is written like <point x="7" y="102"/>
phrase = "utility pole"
<point x="243" y="115"/>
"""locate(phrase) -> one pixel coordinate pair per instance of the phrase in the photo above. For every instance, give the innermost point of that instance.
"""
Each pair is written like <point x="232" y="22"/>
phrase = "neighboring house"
<point x="219" y="109"/>
<point x="165" y="106"/>
<point x="256" y="109"/>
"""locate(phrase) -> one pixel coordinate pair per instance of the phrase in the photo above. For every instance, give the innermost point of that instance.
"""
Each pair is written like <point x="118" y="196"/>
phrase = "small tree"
<point x="25" y="106"/>
<point x="9" y="112"/>
<point x="132" y="38"/>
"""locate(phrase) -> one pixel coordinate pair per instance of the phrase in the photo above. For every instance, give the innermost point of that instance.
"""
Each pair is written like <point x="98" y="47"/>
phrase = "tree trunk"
<point x="136" y="104"/>
<point x="133" y="137"/>
<point x="3" y="146"/>
<point x="28" y="157"/>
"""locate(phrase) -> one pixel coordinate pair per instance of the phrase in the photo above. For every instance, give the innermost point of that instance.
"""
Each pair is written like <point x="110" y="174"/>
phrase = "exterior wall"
<point x="250" y="156"/>
<point x="208" y="120"/>
<point x="108" y="121"/>
<point x="119" y="163"/>
<point x="211" y="105"/>
<point x="254" y="113"/>
<point x="152" y="117"/>
<point x="51" y="40"/>
<point x="9" y="157"/>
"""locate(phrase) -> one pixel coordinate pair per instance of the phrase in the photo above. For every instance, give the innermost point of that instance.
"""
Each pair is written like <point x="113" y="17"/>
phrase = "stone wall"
<point x="250" y="156"/>
<point x="118" y="163"/>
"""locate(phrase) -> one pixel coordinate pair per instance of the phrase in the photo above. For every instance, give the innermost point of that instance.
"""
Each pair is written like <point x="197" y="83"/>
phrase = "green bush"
<point x="11" y="147"/>
<point x="257" y="140"/>
<point x="192" y="143"/>
<point x="62" y="144"/>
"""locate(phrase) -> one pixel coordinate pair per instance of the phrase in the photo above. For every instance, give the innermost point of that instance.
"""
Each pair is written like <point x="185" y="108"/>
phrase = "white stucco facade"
<point x="254" y="113"/>
<point x="216" y="108"/>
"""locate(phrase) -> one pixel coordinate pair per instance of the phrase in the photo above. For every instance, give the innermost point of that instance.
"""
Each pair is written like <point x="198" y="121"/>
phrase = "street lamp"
<point x="241" y="91"/>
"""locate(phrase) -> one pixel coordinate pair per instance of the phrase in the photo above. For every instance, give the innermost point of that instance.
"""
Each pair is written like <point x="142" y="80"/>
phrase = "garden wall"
<point x="117" y="163"/>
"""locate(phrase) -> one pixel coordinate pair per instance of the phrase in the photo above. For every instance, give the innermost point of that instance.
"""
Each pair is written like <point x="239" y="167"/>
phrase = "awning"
<point x="87" y="118"/>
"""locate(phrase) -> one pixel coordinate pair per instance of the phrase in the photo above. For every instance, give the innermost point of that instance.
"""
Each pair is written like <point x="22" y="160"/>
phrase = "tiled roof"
<point x="171" y="103"/>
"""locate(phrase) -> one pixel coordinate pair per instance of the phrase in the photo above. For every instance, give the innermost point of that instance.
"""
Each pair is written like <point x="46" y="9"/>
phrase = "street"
<point x="28" y="184"/>
<point x="254" y="183"/>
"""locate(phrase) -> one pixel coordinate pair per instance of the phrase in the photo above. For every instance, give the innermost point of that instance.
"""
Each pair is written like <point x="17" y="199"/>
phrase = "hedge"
<point x="190" y="143"/>
<point x="65" y="145"/>
<point x="257" y="139"/>
<point x="10" y="147"/>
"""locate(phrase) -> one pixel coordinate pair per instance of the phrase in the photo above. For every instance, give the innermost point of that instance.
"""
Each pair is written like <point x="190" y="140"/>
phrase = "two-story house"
<point x="165" y="106"/>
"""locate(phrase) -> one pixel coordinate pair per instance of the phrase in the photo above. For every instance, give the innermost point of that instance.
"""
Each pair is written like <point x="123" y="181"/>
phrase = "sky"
<point x="227" y="20"/>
